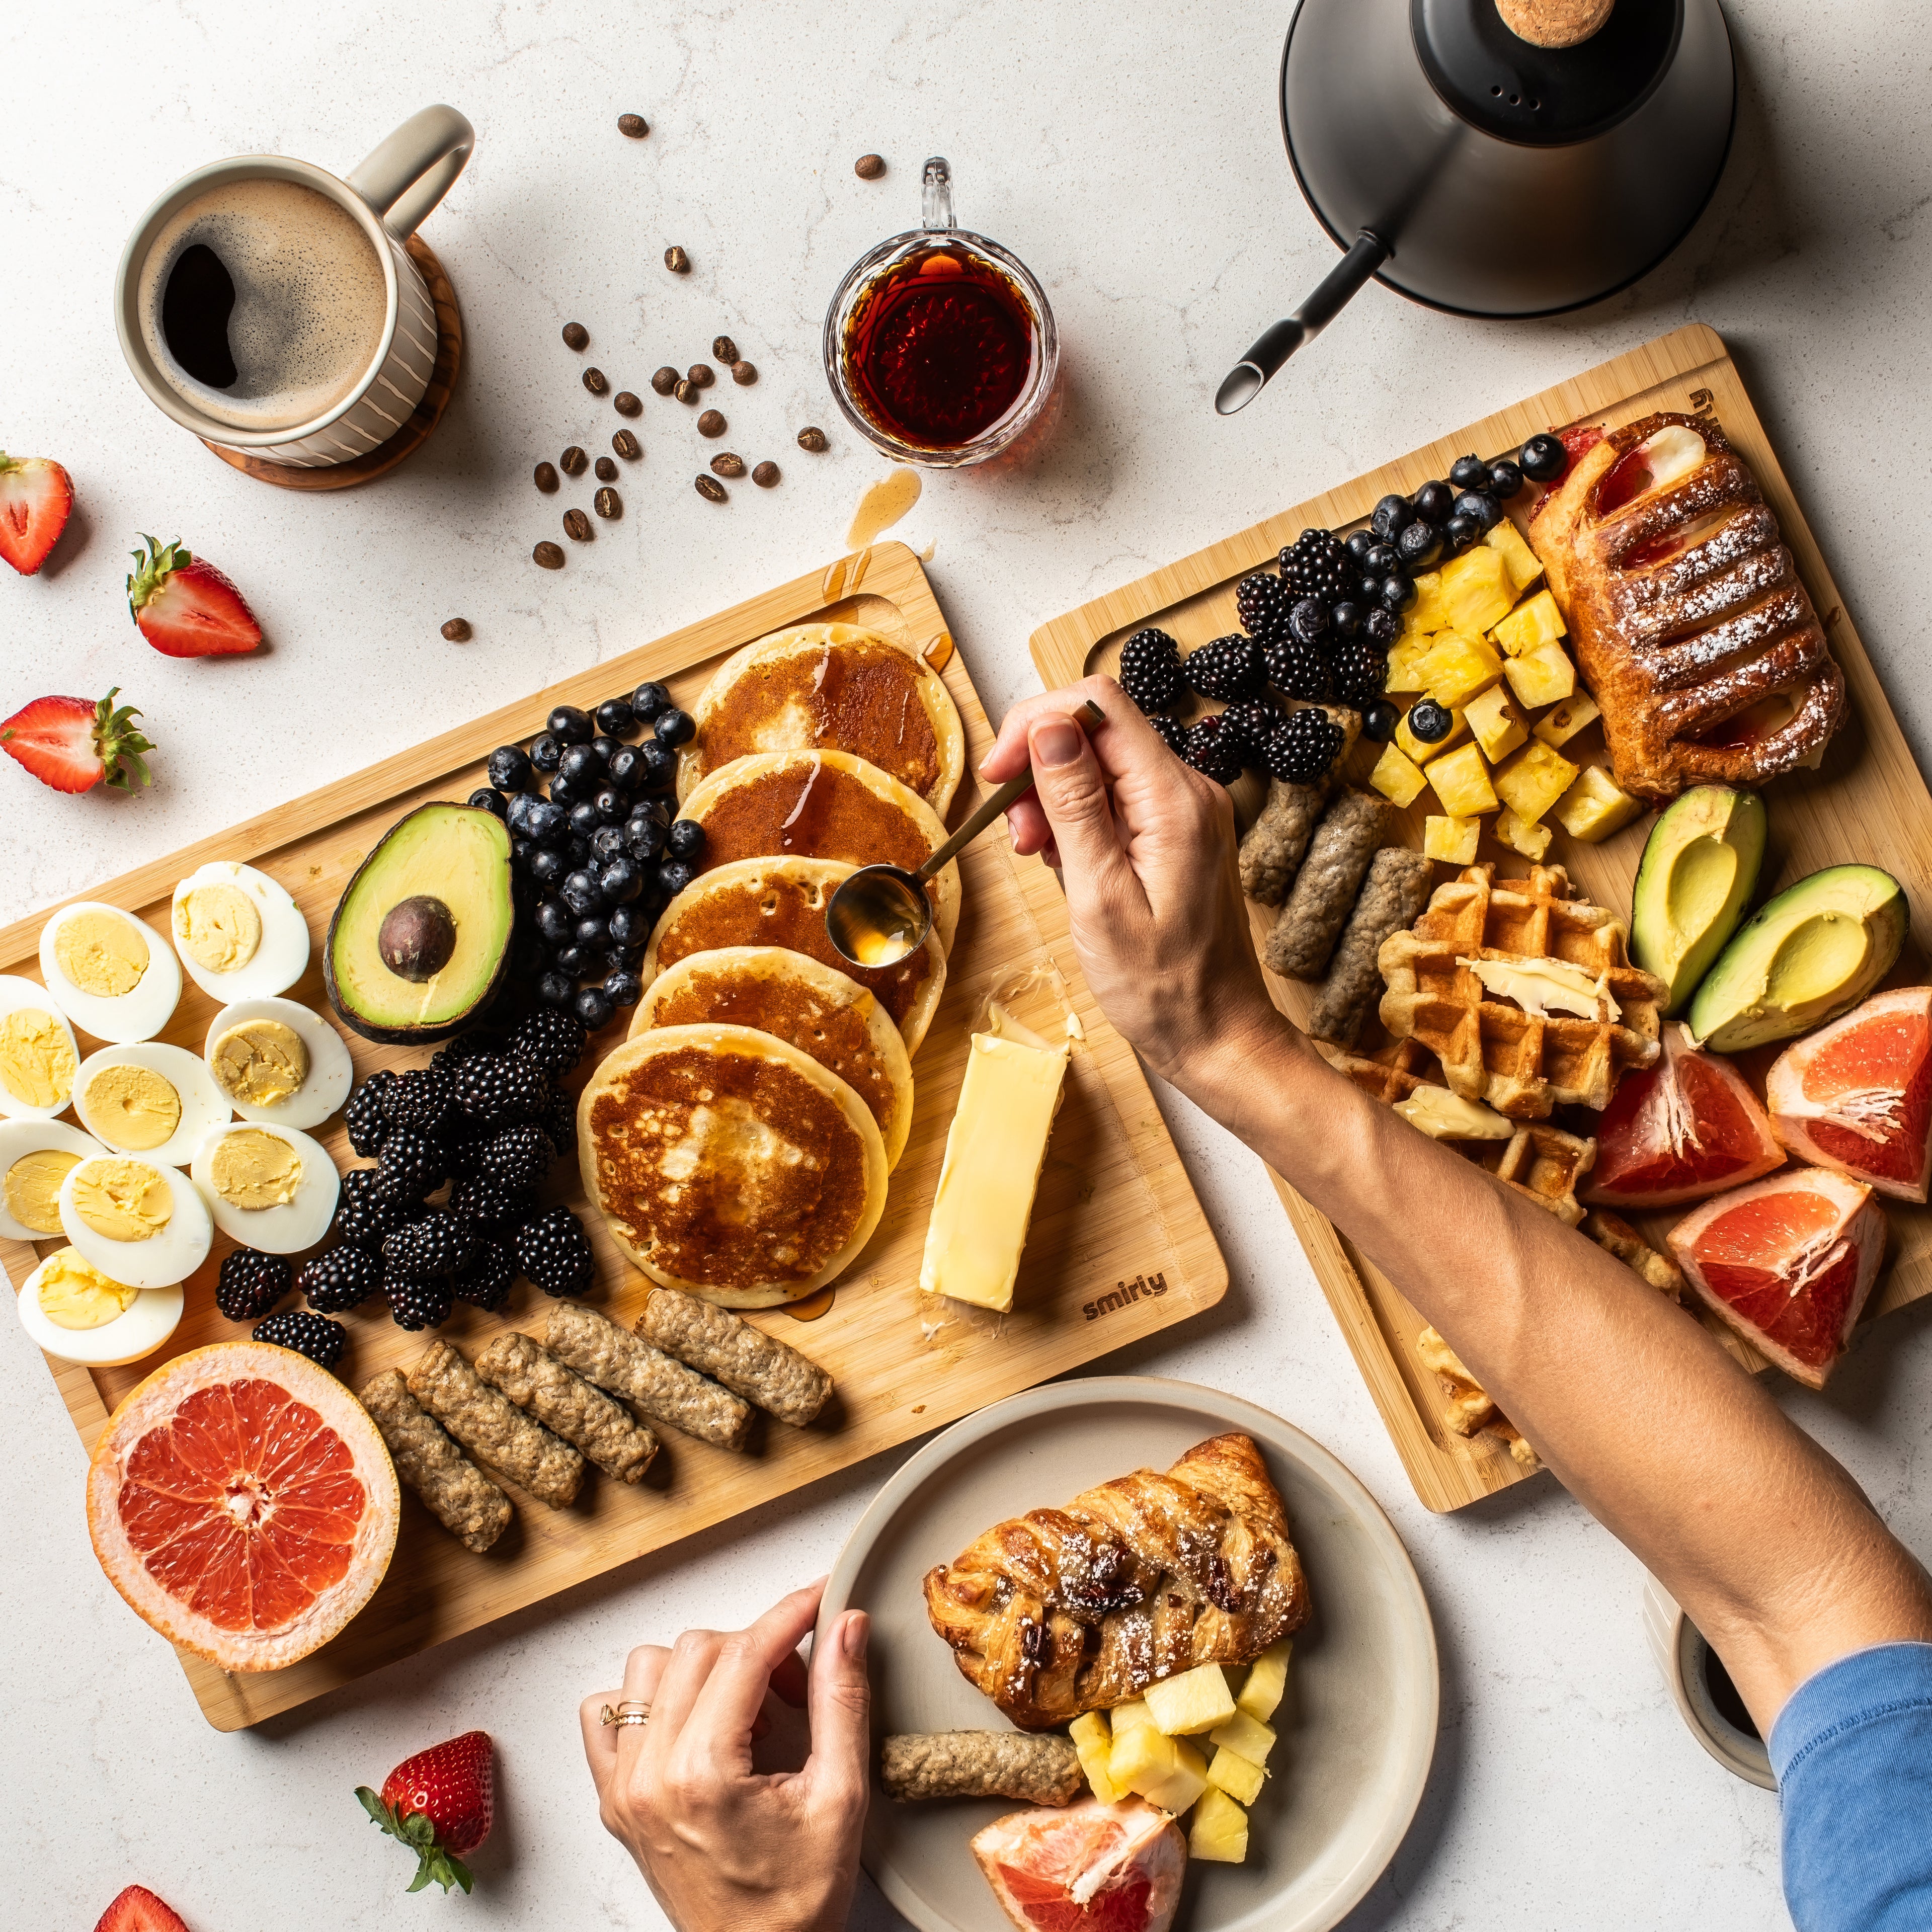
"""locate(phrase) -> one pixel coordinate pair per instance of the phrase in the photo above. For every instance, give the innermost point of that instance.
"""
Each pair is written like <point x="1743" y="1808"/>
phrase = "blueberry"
<point x="509" y="768"/>
<point x="1359" y="543"/>
<point x="1379" y="720"/>
<point x="581" y="762"/>
<point x="1505" y="479"/>
<point x="684" y="840"/>
<point x="611" y="806"/>
<point x="1382" y="625"/>
<point x="547" y="867"/>
<point x="607" y="842"/>
<point x="1469" y="473"/>
<point x="517" y="812"/>
<point x="1419" y="545"/>
<point x="1398" y="593"/>
<point x="575" y="960"/>
<point x="1459" y="533"/>
<point x="568" y="725"/>
<point x="673" y="875"/>
<point x="583" y="818"/>
<point x="494" y="802"/>
<point x="616" y="716"/>
<point x="1382" y="559"/>
<point x="1480" y="507"/>
<point x="627" y="768"/>
<point x="547" y="752"/>
<point x="562" y="792"/>
<point x="643" y="837"/>
<point x="1432" y="501"/>
<point x="647" y="700"/>
<point x="1429" y="722"/>
<point x="556" y="989"/>
<point x="620" y="879"/>
<point x="1369" y="588"/>
<point x="1544" y="458"/>
<point x="592" y="1006"/>
<point x="1345" y="619"/>
<point x="623" y="989"/>
<point x="1387" y="518"/>
<point x="675" y="727"/>
<point x="660" y="764"/>
<point x="588" y="932"/>
<point x="548" y="822"/>
<point x="1308" y="620"/>
<point x="583" y="894"/>
<point x="629" y="926"/>
<point x="606" y="749"/>
<point x="554" y="922"/>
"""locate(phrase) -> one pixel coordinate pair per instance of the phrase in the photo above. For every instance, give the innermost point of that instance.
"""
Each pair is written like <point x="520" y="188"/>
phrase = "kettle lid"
<point x="1544" y="96"/>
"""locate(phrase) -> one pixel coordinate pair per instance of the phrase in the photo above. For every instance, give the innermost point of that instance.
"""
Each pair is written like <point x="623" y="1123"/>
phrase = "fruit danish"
<point x="1689" y="623"/>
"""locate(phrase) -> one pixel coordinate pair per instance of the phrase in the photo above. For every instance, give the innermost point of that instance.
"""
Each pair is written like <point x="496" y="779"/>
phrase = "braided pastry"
<point x="1062" y="1611"/>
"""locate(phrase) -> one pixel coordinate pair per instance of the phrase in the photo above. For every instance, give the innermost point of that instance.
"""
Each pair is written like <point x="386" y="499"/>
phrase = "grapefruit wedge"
<point x="1679" y="1130"/>
<point x="1856" y="1096"/>
<point x="1091" y="1867"/>
<point x="1787" y="1263"/>
<point x="242" y="1502"/>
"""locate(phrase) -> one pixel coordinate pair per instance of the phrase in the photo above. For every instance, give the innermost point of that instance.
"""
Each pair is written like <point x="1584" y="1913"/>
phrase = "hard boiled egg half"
<point x="77" y="1314"/>
<point x="35" y="1157"/>
<point x="267" y="1187"/>
<point x="239" y="934"/>
<point x="38" y="1059"/>
<point x="156" y="1101"/>
<point x="277" y="1061"/>
<point x="137" y="1221"/>
<point x="113" y="974"/>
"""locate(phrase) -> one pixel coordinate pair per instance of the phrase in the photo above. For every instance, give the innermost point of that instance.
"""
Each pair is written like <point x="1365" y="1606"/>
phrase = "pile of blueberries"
<point x="594" y="862"/>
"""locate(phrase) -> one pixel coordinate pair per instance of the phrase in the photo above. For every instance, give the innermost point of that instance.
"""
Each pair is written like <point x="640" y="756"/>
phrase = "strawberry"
<point x="36" y="494"/>
<point x="439" y="1803"/>
<point x="137" y="1909"/>
<point x="186" y="608"/>
<point x="74" y="745"/>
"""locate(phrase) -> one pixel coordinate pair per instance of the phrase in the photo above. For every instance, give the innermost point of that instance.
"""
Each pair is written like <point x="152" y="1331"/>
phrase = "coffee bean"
<point x="812" y="439"/>
<point x="550" y="555"/>
<point x="743" y="373"/>
<point x="626" y="404"/>
<point x="677" y="261"/>
<point x="711" y="424"/>
<point x="684" y="390"/>
<point x="576" y="526"/>
<point x="713" y="491"/>
<point x="575" y="335"/>
<point x="595" y="382"/>
<point x="634" y="125"/>
<point x="607" y="503"/>
<point x="626" y="445"/>
<point x="724" y="348"/>
<point x="573" y="462"/>
<point x="607" y="470"/>
<point x="765" y="475"/>
<point x="458" y="630"/>
<point x="665" y="380"/>
<point x="725" y="464"/>
<point x="545" y="474"/>
<point x="869" y="167"/>
<point x="701" y="375"/>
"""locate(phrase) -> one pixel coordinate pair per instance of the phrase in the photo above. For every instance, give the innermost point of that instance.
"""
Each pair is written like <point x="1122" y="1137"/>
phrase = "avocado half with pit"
<point x="1698" y="870"/>
<point x="1812" y="953"/>
<point x="421" y="934"/>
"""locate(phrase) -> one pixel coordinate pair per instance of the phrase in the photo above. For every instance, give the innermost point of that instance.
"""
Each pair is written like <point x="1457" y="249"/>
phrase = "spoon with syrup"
<point x="882" y="913"/>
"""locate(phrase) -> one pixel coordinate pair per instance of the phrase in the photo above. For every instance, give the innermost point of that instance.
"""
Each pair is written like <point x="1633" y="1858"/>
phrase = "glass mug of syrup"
<point x="939" y="345"/>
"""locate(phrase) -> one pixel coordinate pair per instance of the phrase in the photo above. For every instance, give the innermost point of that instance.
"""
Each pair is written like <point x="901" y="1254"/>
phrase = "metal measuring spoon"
<point x="882" y="913"/>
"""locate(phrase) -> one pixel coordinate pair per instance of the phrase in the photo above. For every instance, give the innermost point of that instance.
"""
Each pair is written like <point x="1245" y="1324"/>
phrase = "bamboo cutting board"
<point x="1118" y="1249"/>
<point x="1868" y="803"/>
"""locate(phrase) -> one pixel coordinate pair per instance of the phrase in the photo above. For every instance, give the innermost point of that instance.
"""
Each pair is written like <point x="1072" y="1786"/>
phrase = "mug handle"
<point x="403" y="178"/>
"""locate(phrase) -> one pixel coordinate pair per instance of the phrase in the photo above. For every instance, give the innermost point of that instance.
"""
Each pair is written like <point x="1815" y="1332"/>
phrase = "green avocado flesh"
<point x="400" y="979"/>
<point x="1698" y="870"/>
<point x="1805" y="957"/>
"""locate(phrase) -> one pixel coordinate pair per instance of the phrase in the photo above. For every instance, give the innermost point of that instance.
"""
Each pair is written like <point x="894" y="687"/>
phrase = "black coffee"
<point x="196" y="305"/>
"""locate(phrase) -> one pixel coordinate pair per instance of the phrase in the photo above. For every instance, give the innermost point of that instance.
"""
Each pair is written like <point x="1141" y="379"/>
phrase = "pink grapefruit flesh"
<point x="1090" y="1868"/>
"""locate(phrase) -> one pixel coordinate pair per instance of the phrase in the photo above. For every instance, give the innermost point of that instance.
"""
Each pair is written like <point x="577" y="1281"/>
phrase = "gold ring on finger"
<point x="632" y="1711"/>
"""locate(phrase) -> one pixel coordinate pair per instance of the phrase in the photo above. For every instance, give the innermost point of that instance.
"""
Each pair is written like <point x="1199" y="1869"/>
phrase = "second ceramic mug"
<point x="387" y="195"/>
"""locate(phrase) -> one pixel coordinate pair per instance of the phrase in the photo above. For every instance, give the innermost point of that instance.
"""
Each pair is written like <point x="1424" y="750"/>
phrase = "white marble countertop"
<point x="1132" y="157"/>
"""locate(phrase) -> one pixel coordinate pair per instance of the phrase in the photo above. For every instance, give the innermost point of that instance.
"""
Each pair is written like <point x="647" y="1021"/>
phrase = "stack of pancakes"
<point x="737" y="1145"/>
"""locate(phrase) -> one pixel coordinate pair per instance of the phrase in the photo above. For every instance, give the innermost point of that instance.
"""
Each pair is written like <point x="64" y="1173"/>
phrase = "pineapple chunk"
<point x="1522" y="835"/>
<point x="1458" y="668"/>
<point x="1419" y="753"/>
<point x="1195" y="1701"/>
<point x="1454" y="840"/>
<point x="1499" y="725"/>
<point x="1544" y="676"/>
<point x="1405" y="662"/>
<point x="1094" y="1742"/>
<point x="1535" y="621"/>
<point x="1220" y="1830"/>
<point x="1246" y="1737"/>
<point x="1140" y="1754"/>
<point x="1461" y="782"/>
<point x="1593" y="808"/>
<point x="1477" y="591"/>
<point x="1576" y="713"/>
<point x="1396" y="776"/>
<point x="1534" y="780"/>
<point x="1232" y="1773"/>
<point x="1267" y="1680"/>
<point x="1427" y="614"/>
<point x="1127" y="1715"/>
<point x="1518" y="558"/>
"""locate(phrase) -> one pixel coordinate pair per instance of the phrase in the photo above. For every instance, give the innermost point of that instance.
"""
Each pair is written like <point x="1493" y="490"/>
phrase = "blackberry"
<point x="1228" y="668"/>
<point x="417" y="1303"/>
<point x="466" y="1045"/>
<point x="419" y="1100"/>
<point x="1150" y="670"/>
<point x="322" y="1340"/>
<point x="364" y="1117"/>
<point x="1247" y="728"/>
<point x="1306" y="744"/>
<point x="1261" y="602"/>
<point x="481" y="1200"/>
<point x="1317" y="564"/>
<point x="251" y="1283"/>
<point x="551" y="1042"/>
<point x="1213" y="751"/>
<point x="464" y="1141"/>
<point x="1358" y="673"/>
<point x="486" y="1278"/>
<point x="408" y="1166"/>
<point x="363" y="1215"/>
<point x="517" y="1159"/>
<point x="436" y="1244"/>
<point x="342" y="1278"/>
<point x="498" y="1087"/>
<point x="1296" y="670"/>
<point x="1171" y="733"/>
<point x="554" y="1252"/>
<point x="558" y="1121"/>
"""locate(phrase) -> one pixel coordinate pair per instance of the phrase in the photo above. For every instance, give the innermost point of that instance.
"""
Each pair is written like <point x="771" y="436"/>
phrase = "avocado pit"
<point x="417" y="938"/>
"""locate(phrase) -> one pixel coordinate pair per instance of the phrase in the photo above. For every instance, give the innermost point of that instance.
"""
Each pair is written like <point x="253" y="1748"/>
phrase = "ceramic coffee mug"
<point x="337" y="414"/>
<point x="1706" y="1700"/>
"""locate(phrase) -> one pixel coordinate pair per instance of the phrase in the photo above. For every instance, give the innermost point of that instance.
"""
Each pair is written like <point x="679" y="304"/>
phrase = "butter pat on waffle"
<point x="1526" y="994"/>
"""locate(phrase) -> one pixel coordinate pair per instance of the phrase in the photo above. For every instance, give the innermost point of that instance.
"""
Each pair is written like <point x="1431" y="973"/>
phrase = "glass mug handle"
<point x="403" y="178"/>
<point x="936" y="209"/>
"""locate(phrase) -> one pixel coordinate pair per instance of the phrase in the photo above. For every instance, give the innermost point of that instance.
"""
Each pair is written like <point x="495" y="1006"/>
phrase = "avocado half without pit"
<point x="422" y="932"/>
<point x="1698" y="870"/>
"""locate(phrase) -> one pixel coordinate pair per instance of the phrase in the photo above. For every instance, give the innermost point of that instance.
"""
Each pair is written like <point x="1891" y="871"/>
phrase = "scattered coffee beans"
<point x="684" y="389"/>
<point x="701" y="375"/>
<point x="626" y="404"/>
<point x="665" y="380"/>
<point x="765" y="475"/>
<point x="725" y="464"/>
<point x="634" y="125"/>
<point x="576" y="526"/>
<point x="550" y="555"/>
<point x="573" y="462"/>
<point x="869" y="167"/>
<point x="607" y="503"/>
<point x="711" y="424"/>
<point x="626" y="445"/>
<point x="677" y="261"/>
<point x="724" y="348"/>
<point x="546" y="477"/>
<point x="575" y="335"/>
<point x="711" y="489"/>
<point x="812" y="439"/>
<point x="458" y="630"/>
<point x="594" y="381"/>
<point x="742" y="373"/>
<point x="607" y="470"/>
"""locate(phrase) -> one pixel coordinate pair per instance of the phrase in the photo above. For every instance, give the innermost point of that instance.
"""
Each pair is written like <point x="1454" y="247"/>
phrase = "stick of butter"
<point x="994" y="1154"/>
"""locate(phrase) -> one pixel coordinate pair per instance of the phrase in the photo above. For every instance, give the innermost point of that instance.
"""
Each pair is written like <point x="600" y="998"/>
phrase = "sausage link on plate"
<point x="1037" y="1770"/>
<point x="494" y="1429"/>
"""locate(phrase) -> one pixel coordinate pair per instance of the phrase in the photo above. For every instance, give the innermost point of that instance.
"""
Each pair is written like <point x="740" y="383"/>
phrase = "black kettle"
<point x="1497" y="158"/>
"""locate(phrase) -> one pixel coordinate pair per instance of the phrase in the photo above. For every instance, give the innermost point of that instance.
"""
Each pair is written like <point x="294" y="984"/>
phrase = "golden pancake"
<point x="830" y="688"/>
<point x="823" y="804"/>
<point x="821" y="1012"/>
<point x="729" y="1164"/>
<point x="781" y="902"/>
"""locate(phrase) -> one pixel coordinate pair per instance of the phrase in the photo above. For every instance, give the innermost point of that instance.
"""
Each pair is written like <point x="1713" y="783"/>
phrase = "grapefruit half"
<point x="1856" y="1096"/>
<point x="1091" y="1867"/>
<point x="1787" y="1263"/>
<point x="242" y="1502"/>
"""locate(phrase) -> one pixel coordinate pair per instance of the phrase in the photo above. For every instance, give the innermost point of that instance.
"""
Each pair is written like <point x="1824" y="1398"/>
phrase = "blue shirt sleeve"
<point x="1852" y="1752"/>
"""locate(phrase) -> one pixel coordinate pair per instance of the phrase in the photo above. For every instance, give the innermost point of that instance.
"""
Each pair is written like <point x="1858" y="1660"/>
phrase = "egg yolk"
<point x="100" y="954"/>
<point x="260" y="1061"/>
<point x="252" y="1169"/>
<point x="37" y="1062"/>
<point x="220" y="926"/>
<point x="132" y="1106"/>
<point x="32" y="1188"/>
<point x="74" y="1294"/>
<point x="122" y="1200"/>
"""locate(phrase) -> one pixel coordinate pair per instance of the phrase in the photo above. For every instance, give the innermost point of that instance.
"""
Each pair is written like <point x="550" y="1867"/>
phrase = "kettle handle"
<point x="1243" y="382"/>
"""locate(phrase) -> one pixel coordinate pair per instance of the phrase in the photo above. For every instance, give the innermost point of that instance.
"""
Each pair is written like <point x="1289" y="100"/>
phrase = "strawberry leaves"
<point x="416" y="1830"/>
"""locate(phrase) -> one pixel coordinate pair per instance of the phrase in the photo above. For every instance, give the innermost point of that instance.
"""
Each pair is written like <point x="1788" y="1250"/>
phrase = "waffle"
<point x="1523" y="1064"/>
<point x="1471" y="1413"/>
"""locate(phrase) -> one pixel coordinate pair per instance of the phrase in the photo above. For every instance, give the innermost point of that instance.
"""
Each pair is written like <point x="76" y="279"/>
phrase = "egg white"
<point x="331" y="1071"/>
<point x="15" y="993"/>
<point x="278" y="962"/>
<point x="204" y="1107"/>
<point x="146" y="1322"/>
<point x="19" y="1138"/>
<point x="138" y="1014"/>
<point x="163" y="1259"/>
<point x="293" y="1226"/>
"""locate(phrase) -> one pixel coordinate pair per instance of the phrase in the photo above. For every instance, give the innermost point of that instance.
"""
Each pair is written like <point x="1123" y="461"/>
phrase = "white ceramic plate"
<point x="1357" y="1725"/>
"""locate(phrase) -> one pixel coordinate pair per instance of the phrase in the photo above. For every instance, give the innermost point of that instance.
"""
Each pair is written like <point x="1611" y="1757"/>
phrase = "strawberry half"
<point x="186" y="608"/>
<point x="36" y="494"/>
<point x="440" y="1804"/>
<point x="74" y="745"/>
<point x="137" y="1909"/>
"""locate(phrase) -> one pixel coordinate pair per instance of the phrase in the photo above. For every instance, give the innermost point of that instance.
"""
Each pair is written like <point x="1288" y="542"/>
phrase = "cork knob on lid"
<point x="1554" y="23"/>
